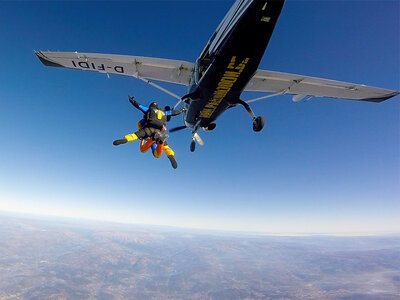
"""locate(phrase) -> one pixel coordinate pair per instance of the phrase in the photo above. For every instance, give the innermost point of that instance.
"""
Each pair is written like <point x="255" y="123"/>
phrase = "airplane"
<point x="226" y="67"/>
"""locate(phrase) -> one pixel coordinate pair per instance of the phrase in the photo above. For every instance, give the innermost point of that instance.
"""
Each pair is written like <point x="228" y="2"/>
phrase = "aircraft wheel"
<point x="192" y="146"/>
<point x="211" y="126"/>
<point x="258" y="123"/>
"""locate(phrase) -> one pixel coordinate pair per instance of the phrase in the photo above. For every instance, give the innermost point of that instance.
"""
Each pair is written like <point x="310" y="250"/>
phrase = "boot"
<point x="173" y="161"/>
<point x="119" y="142"/>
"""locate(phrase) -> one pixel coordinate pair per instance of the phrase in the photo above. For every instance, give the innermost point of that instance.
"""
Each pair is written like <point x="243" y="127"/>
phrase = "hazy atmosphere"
<point x="49" y="258"/>
<point x="320" y="166"/>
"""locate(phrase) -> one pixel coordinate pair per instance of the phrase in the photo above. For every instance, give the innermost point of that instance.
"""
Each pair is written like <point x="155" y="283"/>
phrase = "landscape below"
<point x="50" y="258"/>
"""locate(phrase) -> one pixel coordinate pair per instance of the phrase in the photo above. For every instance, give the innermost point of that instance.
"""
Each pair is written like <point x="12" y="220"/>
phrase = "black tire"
<point x="258" y="124"/>
<point x="211" y="126"/>
<point x="192" y="146"/>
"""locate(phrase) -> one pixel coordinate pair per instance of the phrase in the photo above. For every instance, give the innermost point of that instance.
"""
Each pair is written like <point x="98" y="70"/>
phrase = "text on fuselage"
<point x="224" y="86"/>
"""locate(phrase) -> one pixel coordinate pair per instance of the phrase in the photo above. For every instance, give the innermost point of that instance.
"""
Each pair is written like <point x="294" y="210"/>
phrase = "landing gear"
<point x="258" y="122"/>
<point x="210" y="126"/>
<point x="192" y="146"/>
<point x="195" y="138"/>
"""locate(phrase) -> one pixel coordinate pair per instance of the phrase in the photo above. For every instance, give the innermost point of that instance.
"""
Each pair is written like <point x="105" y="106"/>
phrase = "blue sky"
<point x="326" y="166"/>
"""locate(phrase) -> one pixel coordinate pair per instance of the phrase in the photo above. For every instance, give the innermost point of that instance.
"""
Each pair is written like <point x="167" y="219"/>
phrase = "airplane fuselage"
<point x="230" y="59"/>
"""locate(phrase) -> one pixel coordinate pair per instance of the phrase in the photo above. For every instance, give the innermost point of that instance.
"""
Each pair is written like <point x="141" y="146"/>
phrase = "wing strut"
<point x="267" y="96"/>
<point x="177" y="103"/>
<point x="157" y="86"/>
<point x="275" y="94"/>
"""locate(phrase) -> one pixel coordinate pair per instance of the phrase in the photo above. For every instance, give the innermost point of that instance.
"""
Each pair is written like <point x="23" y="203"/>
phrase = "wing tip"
<point x="383" y="98"/>
<point x="47" y="62"/>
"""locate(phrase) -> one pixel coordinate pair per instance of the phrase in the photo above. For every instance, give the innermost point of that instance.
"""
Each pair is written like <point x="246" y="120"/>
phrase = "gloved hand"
<point x="134" y="102"/>
<point x="183" y="109"/>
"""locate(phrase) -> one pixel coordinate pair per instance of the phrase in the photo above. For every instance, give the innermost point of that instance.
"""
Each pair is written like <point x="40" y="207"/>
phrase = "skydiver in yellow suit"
<point x="151" y="130"/>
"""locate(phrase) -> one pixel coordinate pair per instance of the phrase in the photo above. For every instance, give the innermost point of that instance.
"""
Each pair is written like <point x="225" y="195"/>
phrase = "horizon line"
<point x="210" y="230"/>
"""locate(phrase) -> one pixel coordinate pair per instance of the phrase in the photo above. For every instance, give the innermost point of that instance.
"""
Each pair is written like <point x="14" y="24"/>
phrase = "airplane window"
<point x="203" y="66"/>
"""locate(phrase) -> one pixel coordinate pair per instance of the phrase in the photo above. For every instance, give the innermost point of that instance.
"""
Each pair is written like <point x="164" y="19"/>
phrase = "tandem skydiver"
<point x="151" y="130"/>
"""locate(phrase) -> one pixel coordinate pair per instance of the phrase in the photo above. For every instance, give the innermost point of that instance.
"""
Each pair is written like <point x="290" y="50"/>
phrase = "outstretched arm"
<point x="136" y="104"/>
<point x="173" y="112"/>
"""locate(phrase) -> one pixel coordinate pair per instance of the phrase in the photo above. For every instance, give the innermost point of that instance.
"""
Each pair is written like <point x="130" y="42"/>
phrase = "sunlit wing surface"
<point x="302" y="86"/>
<point x="167" y="70"/>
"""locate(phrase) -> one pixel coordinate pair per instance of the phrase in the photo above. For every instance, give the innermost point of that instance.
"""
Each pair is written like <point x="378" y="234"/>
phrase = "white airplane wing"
<point x="161" y="69"/>
<point x="302" y="86"/>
